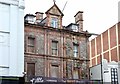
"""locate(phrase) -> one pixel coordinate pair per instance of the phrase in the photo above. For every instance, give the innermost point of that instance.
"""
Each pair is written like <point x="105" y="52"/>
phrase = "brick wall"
<point x="106" y="55"/>
<point x="107" y="45"/>
<point x="93" y="47"/>
<point x="105" y="41"/>
<point x="39" y="64"/>
<point x="113" y="41"/>
<point x="114" y="55"/>
<point x="98" y="44"/>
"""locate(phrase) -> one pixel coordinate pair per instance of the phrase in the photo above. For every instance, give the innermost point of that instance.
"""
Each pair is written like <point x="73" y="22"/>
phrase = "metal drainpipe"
<point x="86" y="54"/>
<point x="101" y="69"/>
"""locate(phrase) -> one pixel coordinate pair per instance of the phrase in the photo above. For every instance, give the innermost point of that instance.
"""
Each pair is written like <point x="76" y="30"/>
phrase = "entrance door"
<point x="30" y="69"/>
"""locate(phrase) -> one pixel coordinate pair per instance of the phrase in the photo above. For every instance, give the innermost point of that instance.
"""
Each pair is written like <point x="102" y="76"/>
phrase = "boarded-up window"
<point x="75" y="74"/>
<point x="30" y="69"/>
<point x="54" y="47"/>
<point x="54" y="71"/>
<point x="31" y="44"/>
<point x="69" y="68"/>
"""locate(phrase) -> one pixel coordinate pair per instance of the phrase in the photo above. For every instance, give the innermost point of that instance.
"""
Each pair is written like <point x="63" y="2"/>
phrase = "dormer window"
<point x="30" y="18"/>
<point x="75" y="28"/>
<point x="54" y="22"/>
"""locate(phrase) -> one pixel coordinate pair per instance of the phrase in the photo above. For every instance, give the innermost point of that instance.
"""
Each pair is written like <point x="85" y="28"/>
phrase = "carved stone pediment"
<point x="54" y="10"/>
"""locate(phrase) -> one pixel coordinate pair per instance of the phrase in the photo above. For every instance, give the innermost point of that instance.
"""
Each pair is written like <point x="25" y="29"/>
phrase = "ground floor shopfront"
<point x="11" y="80"/>
<point x="52" y="80"/>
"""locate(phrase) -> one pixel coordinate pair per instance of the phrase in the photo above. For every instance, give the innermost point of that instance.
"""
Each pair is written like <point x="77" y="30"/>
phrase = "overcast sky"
<point x="99" y="15"/>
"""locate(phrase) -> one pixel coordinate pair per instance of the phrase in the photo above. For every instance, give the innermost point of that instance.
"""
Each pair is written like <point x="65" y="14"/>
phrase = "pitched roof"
<point x="78" y="13"/>
<point x="29" y="15"/>
<point x="57" y="9"/>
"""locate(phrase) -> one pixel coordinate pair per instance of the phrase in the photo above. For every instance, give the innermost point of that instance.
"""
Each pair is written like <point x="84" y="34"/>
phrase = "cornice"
<point x="83" y="33"/>
<point x="19" y="3"/>
<point x="10" y="2"/>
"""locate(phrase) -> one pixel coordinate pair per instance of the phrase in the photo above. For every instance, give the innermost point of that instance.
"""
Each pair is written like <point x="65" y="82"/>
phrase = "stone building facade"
<point x="54" y="50"/>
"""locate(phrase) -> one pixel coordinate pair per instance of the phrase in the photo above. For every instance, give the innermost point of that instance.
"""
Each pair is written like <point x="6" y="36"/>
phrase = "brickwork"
<point x="107" y="45"/>
<point x="79" y="20"/>
<point x="105" y="41"/>
<point x="98" y="60"/>
<point x="58" y="59"/>
<point x="98" y="44"/>
<point x="43" y="58"/>
<point x="106" y="56"/>
<point x="93" y="47"/>
<point x="114" y="55"/>
<point x="39" y="64"/>
<point x="113" y="42"/>
<point x="93" y="61"/>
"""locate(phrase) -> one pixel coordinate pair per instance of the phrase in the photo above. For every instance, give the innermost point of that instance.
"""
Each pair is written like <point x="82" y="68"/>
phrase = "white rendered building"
<point x="109" y="73"/>
<point x="12" y="38"/>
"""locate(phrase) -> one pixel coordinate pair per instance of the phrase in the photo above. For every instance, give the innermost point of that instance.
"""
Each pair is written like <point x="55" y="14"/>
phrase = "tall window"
<point x="75" y="74"/>
<point x="31" y="44"/>
<point x="75" y="50"/>
<point x="54" y="47"/>
<point x="54" y="71"/>
<point x="54" y="22"/>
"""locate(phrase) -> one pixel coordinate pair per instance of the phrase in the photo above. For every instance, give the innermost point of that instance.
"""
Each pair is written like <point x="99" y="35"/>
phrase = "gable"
<point x="55" y="10"/>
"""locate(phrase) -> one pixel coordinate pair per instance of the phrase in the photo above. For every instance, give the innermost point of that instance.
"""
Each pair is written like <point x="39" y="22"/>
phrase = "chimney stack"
<point x="39" y="17"/>
<point x="79" y="20"/>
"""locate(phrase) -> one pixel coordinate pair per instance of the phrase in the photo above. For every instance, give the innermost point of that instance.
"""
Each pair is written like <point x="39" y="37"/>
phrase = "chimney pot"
<point x="39" y="16"/>
<point x="79" y="20"/>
